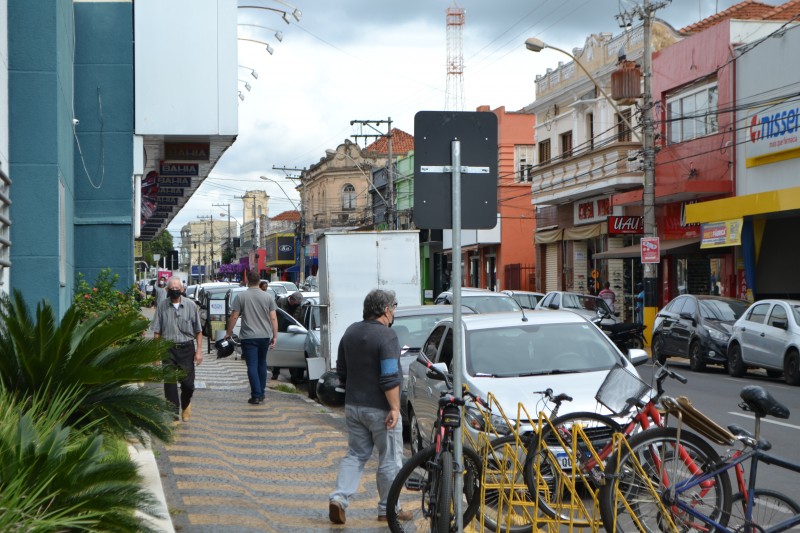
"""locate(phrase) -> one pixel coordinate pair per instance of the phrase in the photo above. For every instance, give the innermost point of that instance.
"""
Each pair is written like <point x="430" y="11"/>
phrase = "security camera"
<point x="75" y="121"/>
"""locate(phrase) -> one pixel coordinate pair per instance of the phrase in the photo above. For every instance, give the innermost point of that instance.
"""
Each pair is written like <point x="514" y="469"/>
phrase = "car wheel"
<point x="791" y="368"/>
<point x="736" y="366"/>
<point x="774" y="373"/>
<point x="658" y="351"/>
<point x="414" y="437"/>
<point x="696" y="359"/>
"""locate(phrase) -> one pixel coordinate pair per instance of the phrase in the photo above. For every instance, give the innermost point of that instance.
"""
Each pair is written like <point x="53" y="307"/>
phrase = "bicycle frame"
<point x="756" y="456"/>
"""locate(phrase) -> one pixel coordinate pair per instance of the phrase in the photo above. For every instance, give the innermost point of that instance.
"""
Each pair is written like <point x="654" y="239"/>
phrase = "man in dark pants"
<point x="258" y="333"/>
<point x="292" y="304"/>
<point x="178" y="320"/>
<point x="368" y="365"/>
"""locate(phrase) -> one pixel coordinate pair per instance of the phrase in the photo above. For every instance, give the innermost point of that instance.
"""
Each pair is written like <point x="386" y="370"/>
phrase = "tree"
<point x="162" y="244"/>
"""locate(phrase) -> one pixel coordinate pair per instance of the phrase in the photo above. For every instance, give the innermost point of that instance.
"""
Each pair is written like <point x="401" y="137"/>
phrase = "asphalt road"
<point x="716" y="394"/>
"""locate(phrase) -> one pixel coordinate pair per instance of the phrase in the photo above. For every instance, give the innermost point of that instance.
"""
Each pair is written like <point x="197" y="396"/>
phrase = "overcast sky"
<point x="375" y="59"/>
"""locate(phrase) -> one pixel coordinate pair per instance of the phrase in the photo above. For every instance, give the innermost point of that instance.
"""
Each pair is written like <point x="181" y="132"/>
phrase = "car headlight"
<point x="717" y="335"/>
<point x="475" y="419"/>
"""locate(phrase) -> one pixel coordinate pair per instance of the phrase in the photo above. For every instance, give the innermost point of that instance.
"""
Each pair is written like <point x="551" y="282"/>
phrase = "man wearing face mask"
<point x="160" y="290"/>
<point x="178" y="320"/>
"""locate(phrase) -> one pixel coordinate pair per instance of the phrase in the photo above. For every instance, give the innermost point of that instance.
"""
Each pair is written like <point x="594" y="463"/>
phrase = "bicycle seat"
<point x="759" y="401"/>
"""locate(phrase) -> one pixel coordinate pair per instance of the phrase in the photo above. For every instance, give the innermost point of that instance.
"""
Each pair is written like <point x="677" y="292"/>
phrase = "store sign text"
<point x="625" y="225"/>
<point x="592" y="210"/>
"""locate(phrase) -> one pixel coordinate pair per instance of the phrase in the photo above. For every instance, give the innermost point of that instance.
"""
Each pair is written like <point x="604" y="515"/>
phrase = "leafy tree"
<point x="102" y="296"/>
<point x="54" y="478"/>
<point x="40" y="356"/>
<point x="162" y="244"/>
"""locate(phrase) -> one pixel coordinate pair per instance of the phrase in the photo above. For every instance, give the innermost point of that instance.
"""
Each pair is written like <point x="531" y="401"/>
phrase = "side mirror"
<point x="296" y="329"/>
<point x="637" y="357"/>
<point x="687" y="316"/>
<point x="552" y="305"/>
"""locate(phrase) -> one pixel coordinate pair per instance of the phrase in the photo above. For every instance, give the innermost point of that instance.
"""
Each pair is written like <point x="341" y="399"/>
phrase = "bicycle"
<point x="548" y="451"/>
<point x="425" y="484"/>
<point x="655" y="491"/>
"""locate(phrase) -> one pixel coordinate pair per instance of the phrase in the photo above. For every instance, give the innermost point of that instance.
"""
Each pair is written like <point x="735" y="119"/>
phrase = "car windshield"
<point x="722" y="310"/>
<point x="538" y="349"/>
<point x="279" y="289"/>
<point x="490" y="303"/>
<point x="413" y="330"/>
<point x="289" y="286"/>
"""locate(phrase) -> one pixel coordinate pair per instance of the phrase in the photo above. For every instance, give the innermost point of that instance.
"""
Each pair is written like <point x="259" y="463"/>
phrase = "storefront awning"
<point x="672" y="247"/>
<point x="293" y="269"/>
<point x="742" y="206"/>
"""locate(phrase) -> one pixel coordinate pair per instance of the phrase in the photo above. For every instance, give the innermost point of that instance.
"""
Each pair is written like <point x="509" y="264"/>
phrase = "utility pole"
<point x="253" y="231"/>
<point x="211" y="219"/>
<point x="302" y="228"/>
<point x="392" y="212"/>
<point x="646" y="13"/>
<point x="230" y="240"/>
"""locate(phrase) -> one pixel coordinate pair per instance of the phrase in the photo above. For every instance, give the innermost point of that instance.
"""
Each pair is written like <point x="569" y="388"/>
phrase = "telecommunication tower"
<point x="454" y="92"/>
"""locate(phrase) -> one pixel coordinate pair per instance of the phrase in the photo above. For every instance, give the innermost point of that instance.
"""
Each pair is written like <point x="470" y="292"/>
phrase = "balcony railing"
<point x="607" y="170"/>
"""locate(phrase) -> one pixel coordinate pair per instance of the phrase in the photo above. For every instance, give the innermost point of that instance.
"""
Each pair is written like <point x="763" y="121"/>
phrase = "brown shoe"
<point x="187" y="413"/>
<point x="336" y="512"/>
<point x="403" y="516"/>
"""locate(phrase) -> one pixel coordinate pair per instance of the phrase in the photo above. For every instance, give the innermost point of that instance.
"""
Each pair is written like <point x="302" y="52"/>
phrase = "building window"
<point x="544" y="151"/>
<point x="590" y="130"/>
<point x="623" y="131"/>
<point x="566" y="144"/>
<point x="348" y="197"/>
<point x="692" y="113"/>
<point x="523" y="162"/>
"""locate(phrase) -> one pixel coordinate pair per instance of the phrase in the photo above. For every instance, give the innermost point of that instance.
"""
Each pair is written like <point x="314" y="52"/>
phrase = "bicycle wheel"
<point x="656" y="457"/>
<point x="411" y="491"/>
<point x="548" y="467"/>
<point x="769" y="508"/>
<point x="445" y="506"/>
<point x="504" y="472"/>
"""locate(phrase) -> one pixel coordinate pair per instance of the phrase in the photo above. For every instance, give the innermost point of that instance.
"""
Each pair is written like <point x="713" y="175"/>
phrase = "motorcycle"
<point x="625" y="335"/>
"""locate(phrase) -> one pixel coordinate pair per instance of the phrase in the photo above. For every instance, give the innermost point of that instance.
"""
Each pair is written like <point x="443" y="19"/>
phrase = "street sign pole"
<point x="458" y="331"/>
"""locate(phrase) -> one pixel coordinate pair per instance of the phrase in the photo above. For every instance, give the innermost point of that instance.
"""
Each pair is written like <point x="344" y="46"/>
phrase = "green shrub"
<point x="93" y="300"/>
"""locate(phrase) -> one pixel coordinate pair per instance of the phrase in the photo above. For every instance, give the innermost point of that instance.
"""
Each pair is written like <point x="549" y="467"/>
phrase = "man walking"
<point x="609" y="297"/>
<point x="368" y="365"/>
<point x="177" y="320"/>
<point x="259" y="333"/>
<point x="292" y="304"/>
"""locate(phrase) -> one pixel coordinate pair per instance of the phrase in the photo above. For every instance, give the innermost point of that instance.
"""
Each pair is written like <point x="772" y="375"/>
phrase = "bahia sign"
<point x="625" y="225"/>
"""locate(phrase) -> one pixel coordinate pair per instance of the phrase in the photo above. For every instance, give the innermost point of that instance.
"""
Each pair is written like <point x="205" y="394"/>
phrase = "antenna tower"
<point x="454" y="92"/>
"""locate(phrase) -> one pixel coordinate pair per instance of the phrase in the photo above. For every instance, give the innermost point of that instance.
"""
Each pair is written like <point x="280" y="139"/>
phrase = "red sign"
<point x="625" y="225"/>
<point x="651" y="252"/>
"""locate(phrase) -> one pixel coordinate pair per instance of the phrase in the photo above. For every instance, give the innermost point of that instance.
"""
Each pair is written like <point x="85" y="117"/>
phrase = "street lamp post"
<point x="302" y="227"/>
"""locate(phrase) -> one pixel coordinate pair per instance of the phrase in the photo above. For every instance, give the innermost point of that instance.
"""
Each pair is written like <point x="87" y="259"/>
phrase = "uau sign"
<point x="625" y="225"/>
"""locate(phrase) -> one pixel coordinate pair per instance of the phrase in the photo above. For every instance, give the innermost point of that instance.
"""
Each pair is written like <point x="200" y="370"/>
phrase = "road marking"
<point x="751" y="417"/>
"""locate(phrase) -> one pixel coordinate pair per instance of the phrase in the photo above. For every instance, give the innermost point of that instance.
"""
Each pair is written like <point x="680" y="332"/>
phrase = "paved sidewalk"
<point x="239" y="467"/>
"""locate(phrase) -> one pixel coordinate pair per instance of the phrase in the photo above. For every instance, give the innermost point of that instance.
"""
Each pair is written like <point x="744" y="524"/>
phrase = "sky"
<point x="351" y="60"/>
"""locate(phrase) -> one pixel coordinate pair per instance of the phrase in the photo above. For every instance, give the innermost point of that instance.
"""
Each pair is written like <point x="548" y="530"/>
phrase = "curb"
<point x="145" y="461"/>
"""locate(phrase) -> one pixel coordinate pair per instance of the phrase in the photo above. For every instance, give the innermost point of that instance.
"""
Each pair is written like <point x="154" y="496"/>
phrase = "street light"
<point x="278" y="34"/>
<point x="284" y="15"/>
<point x="302" y="227"/>
<point x="537" y="45"/>
<point x="269" y="47"/>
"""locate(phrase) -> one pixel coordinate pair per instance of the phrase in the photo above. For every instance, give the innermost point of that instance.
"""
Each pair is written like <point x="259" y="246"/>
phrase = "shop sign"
<point x="773" y="130"/>
<point x="279" y="249"/>
<point x="673" y="222"/>
<point x="651" y="252"/>
<point x="725" y="233"/>
<point x="174" y="181"/>
<point x="592" y="210"/>
<point x="167" y="201"/>
<point x="170" y="191"/>
<point x="186" y="151"/>
<point x="179" y="169"/>
<point x="625" y="225"/>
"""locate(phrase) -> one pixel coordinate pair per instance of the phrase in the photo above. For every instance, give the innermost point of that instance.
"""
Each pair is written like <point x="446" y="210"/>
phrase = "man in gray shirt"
<point x="258" y="333"/>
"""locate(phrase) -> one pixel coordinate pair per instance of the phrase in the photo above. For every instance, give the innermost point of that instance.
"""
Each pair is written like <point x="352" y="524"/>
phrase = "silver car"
<point x="583" y="304"/>
<point x="512" y="356"/>
<point x="767" y="336"/>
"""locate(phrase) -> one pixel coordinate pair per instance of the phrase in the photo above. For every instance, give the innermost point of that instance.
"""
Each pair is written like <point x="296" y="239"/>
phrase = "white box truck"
<point x="350" y="265"/>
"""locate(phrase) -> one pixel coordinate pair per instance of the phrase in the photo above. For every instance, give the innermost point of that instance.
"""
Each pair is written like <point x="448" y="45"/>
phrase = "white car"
<point x="583" y="304"/>
<point x="512" y="356"/>
<point x="767" y="336"/>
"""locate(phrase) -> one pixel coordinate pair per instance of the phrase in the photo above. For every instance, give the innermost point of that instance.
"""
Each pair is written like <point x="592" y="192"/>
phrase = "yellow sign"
<point x="718" y="234"/>
<point x="595" y="274"/>
<point x="137" y="248"/>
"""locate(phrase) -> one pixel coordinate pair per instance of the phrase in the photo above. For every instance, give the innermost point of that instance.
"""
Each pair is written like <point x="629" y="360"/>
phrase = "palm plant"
<point x="53" y="478"/>
<point x="39" y="355"/>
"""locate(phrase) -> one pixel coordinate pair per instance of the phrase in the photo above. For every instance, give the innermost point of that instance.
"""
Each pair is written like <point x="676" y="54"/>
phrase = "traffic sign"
<point x="595" y="274"/>
<point x="651" y="252"/>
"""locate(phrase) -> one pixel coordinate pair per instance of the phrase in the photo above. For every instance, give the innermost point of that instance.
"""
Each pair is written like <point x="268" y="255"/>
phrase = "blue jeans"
<point x="366" y="429"/>
<point x="254" y="352"/>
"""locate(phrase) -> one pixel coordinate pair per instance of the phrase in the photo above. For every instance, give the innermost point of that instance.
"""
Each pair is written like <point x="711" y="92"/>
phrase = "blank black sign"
<point x="434" y="132"/>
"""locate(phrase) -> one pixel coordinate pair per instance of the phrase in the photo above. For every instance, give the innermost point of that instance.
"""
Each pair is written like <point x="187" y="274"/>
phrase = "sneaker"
<point x="187" y="413"/>
<point x="254" y="401"/>
<point x="403" y="516"/>
<point x="336" y="512"/>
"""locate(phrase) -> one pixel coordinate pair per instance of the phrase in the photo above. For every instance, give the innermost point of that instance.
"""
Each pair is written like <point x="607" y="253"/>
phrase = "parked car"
<point x="191" y="291"/>
<point x="584" y="304"/>
<point x="697" y="327"/>
<point x="526" y="299"/>
<point x="480" y="300"/>
<point x="412" y="324"/>
<point x="288" y="286"/>
<point x="290" y="350"/>
<point x="767" y="336"/>
<point x="511" y="357"/>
